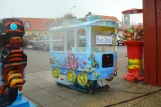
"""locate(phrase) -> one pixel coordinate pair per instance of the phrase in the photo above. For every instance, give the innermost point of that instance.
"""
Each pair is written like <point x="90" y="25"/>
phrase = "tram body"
<point x="84" y="50"/>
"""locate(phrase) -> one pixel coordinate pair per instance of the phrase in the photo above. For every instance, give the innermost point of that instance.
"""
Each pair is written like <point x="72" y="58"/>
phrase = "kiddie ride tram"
<point x="83" y="53"/>
<point x="12" y="64"/>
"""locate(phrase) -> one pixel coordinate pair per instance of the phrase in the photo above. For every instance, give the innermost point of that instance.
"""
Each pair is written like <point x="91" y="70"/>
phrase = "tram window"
<point x="58" y="42"/>
<point x="47" y="37"/>
<point x="81" y="40"/>
<point x="102" y="39"/>
<point x="70" y="40"/>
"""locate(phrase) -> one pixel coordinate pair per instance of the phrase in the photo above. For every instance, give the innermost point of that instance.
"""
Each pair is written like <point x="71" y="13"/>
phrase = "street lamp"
<point x="72" y="8"/>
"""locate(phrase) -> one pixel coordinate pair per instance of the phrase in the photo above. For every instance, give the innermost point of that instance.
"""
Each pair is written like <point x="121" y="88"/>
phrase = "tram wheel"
<point x="82" y="79"/>
<point x="110" y="79"/>
<point x="71" y="76"/>
<point x="106" y="87"/>
<point x="56" y="73"/>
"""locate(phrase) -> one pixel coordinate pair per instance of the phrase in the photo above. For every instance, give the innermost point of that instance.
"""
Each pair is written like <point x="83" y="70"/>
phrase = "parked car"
<point x="42" y="42"/>
<point x="119" y="40"/>
<point x="30" y="42"/>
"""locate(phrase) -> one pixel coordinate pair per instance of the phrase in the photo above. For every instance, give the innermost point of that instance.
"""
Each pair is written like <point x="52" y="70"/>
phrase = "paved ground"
<point x="42" y="90"/>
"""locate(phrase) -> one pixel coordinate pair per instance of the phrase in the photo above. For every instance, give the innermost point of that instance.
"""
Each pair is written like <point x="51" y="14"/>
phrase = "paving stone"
<point x="56" y="88"/>
<point x="153" y="100"/>
<point x="115" y="98"/>
<point x="41" y="87"/>
<point x="30" y="77"/>
<point x="83" y="99"/>
<point x="47" y="99"/>
<point x="36" y="93"/>
<point x="36" y="74"/>
<point x="45" y="84"/>
<point x="38" y="81"/>
<point x="63" y="103"/>
<point x="29" y="87"/>
<point x="68" y="93"/>
<point x="35" y="103"/>
<point x="51" y="79"/>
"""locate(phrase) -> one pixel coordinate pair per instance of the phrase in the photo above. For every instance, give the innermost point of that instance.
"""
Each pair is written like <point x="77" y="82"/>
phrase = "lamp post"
<point x="72" y="8"/>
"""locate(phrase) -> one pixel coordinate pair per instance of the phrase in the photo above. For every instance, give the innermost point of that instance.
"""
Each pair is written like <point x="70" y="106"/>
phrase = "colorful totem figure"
<point x="12" y="60"/>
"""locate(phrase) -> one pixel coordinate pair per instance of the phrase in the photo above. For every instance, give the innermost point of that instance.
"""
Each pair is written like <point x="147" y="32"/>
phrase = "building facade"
<point x="37" y="26"/>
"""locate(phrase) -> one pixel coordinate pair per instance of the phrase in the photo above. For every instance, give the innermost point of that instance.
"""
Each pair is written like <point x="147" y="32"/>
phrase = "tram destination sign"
<point x="103" y="39"/>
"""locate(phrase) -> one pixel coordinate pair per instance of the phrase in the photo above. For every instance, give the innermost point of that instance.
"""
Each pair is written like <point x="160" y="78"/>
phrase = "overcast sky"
<point x="56" y="8"/>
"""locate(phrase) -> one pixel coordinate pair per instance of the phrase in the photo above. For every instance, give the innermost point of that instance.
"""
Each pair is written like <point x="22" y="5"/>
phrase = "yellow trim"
<point x="134" y="61"/>
<point x="134" y="64"/>
<point x="103" y="29"/>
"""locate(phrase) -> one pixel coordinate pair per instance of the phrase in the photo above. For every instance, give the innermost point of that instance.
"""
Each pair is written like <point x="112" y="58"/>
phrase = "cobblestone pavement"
<point x="41" y="89"/>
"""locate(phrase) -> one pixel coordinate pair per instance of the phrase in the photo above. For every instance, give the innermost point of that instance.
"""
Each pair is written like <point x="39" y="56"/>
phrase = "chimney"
<point x="89" y="13"/>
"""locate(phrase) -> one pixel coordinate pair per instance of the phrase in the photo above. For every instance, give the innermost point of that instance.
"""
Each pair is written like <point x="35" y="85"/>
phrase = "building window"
<point x="49" y="25"/>
<point x="27" y="24"/>
<point x="33" y="33"/>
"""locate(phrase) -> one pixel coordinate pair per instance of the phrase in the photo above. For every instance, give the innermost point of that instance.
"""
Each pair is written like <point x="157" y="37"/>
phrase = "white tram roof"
<point x="90" y="21"/>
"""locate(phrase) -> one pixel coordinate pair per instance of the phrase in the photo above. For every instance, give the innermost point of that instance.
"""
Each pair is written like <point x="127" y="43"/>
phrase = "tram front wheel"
<point x="56" y="73"/>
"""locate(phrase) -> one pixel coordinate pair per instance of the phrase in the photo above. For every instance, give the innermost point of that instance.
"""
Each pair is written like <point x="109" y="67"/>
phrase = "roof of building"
<point x="105" y="17"/>
<point x="38" y="23"/>
<point x="109" y="18"/>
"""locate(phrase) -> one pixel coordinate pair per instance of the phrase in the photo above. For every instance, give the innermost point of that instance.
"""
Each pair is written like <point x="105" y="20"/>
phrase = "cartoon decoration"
<point x="57" y="61"/>
<point x="114" y="73"/>
<point x="133" y="33"/>
<point x="96" y="75"/>
<point x="71" y="62"/>
<point x="89" y="69"/>
<point x="93" y="61"/>
<point x="51" y="60"/>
